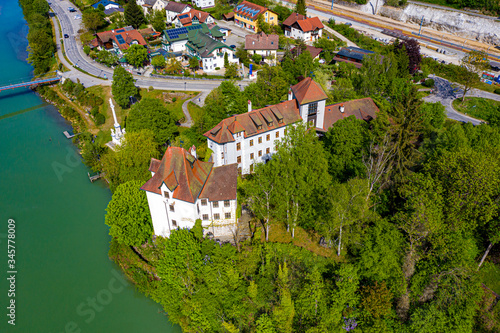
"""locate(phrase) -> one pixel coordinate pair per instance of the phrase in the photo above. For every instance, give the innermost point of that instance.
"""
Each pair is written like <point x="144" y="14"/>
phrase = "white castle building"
<point x="183" y="189"/>
<point x="250" y="138"/>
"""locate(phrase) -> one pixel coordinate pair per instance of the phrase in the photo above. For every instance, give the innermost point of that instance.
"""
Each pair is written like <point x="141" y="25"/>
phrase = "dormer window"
<point x="166" y="194"/>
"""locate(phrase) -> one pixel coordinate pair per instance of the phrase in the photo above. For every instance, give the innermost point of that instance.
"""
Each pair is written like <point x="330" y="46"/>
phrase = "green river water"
<point x="63" y="278"/>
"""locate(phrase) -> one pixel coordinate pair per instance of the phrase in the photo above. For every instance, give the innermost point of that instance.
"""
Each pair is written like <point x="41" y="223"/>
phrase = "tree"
<point x="282" y="11"/>
<point x="136" y="55"/>
<point x="158" y="20"/>
<point x="300" y="7"/>
<point x="194" y="63"/>
<point x="345" y="141"/>
<point x="474" y="63"/>
<point x="131" y="160"/>
<point x="283" y="313"/>
<point x="260" y="191"/>
<point x="271" y="87"/>
<point x="134" y="15"/>
<point x="242" y="54"/>
<point x="348" y="207"/>
<point x="123" y="86"/>
<point x="412" y="50"/>
<point x="303" y="168"/>
<point x="174" y="66"/>
<point x="158" y="61"/>
<point x="93" y="20"/>
<point x="128" y="214"/>
<point x="151" y="114"/>
<point x="226" y="60"/>
<point x="107" y="58"/>
<point x="231" y="71"/>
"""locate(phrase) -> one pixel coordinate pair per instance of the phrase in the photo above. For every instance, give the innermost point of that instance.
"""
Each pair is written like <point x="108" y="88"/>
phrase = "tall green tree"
<point x="300" y="7"/>
<point x="93" y="20"/>
<point x="123" y="86"/>
<point x="136" y="55"/>
<point x="131" y="160"/>
<point x="158" y="20"/>
<point x="134" y="15"/>
<point x="474" y="62"/>
<point x="158" y="61"/>
<point x="151" y="114"/>
<point x="128" y="214"/>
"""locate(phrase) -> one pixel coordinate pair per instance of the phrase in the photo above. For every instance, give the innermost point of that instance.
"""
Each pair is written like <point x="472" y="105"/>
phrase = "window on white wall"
<point x="174" y="223"/>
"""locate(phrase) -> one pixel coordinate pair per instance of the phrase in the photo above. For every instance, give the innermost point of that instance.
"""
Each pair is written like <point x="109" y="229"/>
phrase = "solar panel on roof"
<point x="121" y="30"/>
<point x="183" y="16"/>
<point x="120" y="39"/>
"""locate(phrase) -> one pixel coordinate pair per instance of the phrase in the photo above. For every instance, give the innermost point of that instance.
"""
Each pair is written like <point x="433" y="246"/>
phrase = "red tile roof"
<point x="187" y="17"/>
<point x="181" y="173"/>
<point x="364" y="109"/>
<point x="308" y="91"/>
<point x="261" y="41"/>
<point x="314" y="51"/>
<point x="127" y="34"/>
<point x="221" y="184"/>
<point x="256" y="121"/>
<point x="305" y="24"/>
<point x="241" y="9"/>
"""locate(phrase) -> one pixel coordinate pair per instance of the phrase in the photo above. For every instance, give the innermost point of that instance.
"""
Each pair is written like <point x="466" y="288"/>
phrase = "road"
<point x="445" y="93"/>
<point x="75" y="54"/>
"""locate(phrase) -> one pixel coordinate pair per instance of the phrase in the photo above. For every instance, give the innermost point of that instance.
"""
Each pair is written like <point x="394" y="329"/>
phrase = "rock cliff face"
<point x="481" y="29"/>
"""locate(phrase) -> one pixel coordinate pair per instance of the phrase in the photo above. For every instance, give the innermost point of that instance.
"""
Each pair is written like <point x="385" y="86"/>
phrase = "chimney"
<point x="290" y="95"/>
<point x="192" y="151"/>
<point x="341" y="108"/>
<point x="249" y="105"/>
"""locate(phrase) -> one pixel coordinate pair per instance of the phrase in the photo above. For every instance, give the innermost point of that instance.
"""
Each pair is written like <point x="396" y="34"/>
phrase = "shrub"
<point x="99" y="119"/>
<point x="217" y="68"/>
<point x="428" y="83"/>
<point x="86" y="49"/>
<point x="497" y="91"/>
<point x="174" y="99"/>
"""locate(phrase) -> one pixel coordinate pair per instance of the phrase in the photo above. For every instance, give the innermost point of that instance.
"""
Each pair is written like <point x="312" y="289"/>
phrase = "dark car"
<point x="71" y="9"/>
<point x="232" y="46"/>
<point x="66" y="36"/>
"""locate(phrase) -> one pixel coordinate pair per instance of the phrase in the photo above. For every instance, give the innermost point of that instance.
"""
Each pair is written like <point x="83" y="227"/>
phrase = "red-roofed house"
<point x="183" y="189"/>
<point x="314" y="51"/>
<point x="265" y="45"/>
<point x="298" y="26"/>
<point x="192" y="17"/>
<point x="119" y="40"/>
<point x="250" y="138"/>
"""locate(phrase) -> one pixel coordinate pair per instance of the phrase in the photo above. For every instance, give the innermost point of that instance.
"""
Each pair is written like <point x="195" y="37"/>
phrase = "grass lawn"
<point x="173" y="99"/>
<point x="490" y="274"/>
<point x="476" y="107"/>
<point x="195" y="111"/>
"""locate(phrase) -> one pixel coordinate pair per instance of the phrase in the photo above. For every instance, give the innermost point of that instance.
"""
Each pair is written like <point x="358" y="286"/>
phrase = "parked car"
<point x="232" y="46"/>
<point x="66" y="36"/>
<point x="71" y="9"/>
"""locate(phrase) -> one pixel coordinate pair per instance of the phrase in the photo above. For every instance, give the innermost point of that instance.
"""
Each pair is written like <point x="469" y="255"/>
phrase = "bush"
<point x="428" y="83"/>
<point x="99" y="119"/>
<point x="86" y="49"/>
<point x="174" y="99"/>
<point x="497" y="91"/>
<point x="217" y="68"/>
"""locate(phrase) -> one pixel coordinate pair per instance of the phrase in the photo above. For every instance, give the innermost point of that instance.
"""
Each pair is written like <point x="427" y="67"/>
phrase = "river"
<point x="62" y="279"/>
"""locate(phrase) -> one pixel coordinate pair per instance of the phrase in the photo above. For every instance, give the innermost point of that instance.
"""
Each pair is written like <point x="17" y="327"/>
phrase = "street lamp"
<point x="185" y="85"/>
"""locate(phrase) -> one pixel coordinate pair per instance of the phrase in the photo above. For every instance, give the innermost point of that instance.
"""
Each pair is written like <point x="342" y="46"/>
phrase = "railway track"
<point x="408" y="29"/>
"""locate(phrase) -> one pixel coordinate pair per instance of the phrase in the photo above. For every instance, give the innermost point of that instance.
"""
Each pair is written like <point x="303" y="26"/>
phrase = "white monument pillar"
<point x="117" y="133"/>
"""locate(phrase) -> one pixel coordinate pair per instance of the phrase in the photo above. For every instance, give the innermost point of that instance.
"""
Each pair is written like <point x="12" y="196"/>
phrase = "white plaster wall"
<point x="158" y="214"/>
<point x="159" y="5"/>
<point x="109" y="6"/>
<point x="320" y="115"/>
<point x="204" y="3"/>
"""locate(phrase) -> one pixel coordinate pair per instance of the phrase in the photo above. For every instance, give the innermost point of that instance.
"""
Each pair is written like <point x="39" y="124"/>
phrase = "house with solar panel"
<point x="247" y="13"/>
<point x="200" y="42"/>
<point x="173" y="9"/>
<point x="183" y="189"/>
<point x="351" y="55"/>
<point x="119" y="40"/>
<point x="192" y="17"/>
<point x="249" y="138"/>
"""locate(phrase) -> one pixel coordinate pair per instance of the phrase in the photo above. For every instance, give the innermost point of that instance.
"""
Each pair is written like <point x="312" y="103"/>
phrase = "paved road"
<point x="445" y="93"/>
<point x="75" y="54"/>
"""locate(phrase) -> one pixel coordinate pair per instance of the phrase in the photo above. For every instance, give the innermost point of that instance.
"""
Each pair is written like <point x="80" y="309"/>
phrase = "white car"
<point x="78" y="17"/>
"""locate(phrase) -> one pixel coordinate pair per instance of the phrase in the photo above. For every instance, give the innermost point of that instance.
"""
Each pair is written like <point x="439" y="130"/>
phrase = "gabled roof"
<point x="180" y="172"/>
<point x="364" y="109"/>
<point x="304" y="23"/>
<point x="249" y="10"/>
<point x="268" y="118"/>
<point x="221" y="184"/>
<point x="187" y="18"/>
<point x="308" y="91"/>
<point x="176" y="7"/>
<point x="314" y="51"/>
<point x="123" y="37"/>
<point x="203" y="45"/>
<point x="261" y="41"/>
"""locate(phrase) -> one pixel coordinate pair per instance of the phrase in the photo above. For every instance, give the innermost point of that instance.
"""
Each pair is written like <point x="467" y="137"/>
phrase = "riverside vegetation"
<point x="387" y="226"/>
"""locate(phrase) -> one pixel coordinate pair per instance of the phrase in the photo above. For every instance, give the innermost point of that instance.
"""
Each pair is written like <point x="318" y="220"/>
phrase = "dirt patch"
<point x="169" y="97"/>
